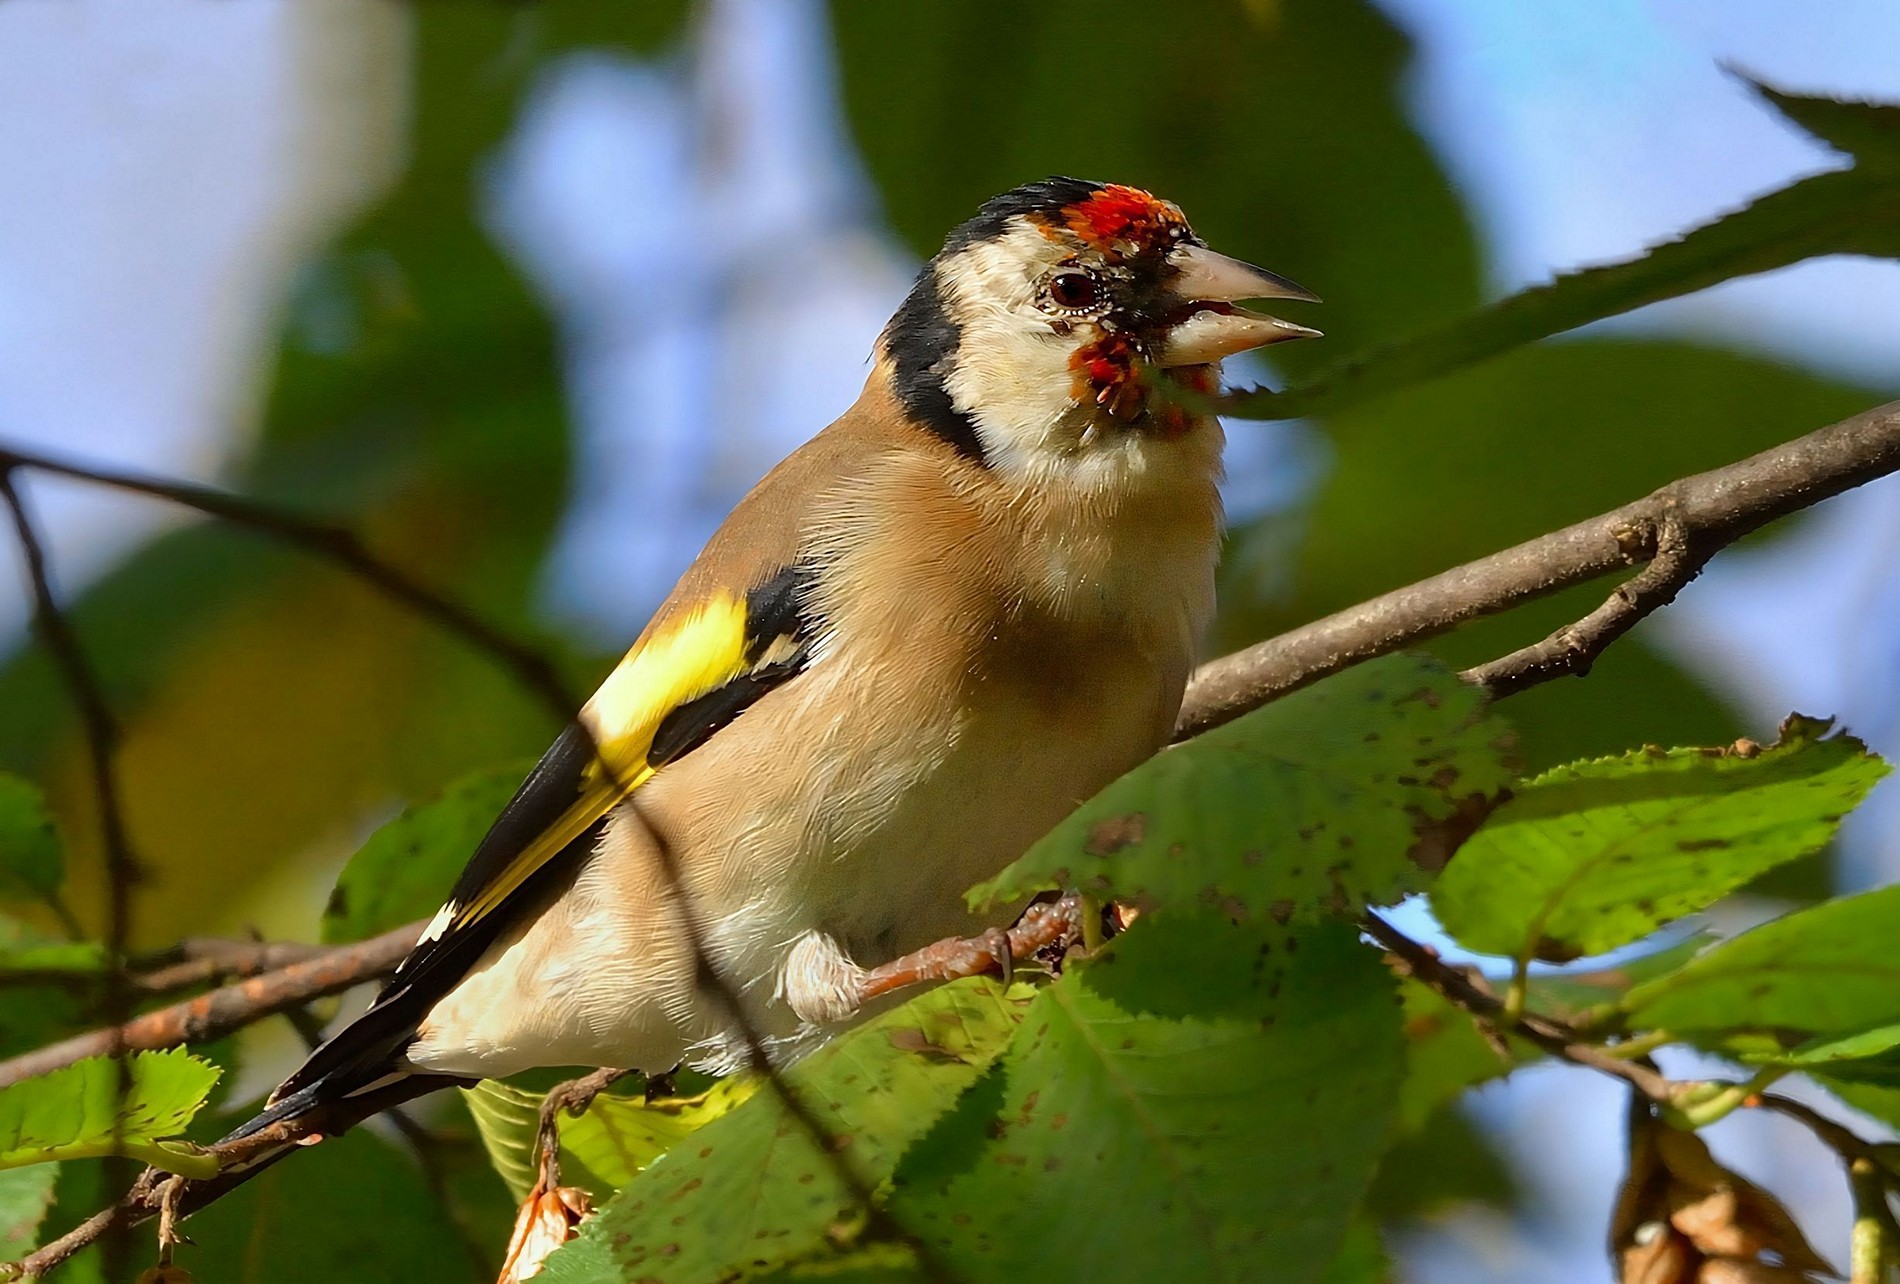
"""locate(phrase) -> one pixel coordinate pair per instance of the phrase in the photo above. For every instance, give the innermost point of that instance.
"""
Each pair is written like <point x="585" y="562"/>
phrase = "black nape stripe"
<point x="922" y="338"/>
<point x="922" y="342"/>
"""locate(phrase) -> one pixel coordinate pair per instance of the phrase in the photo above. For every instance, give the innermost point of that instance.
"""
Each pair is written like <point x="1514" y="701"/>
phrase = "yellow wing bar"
<point x="700" y="652"/>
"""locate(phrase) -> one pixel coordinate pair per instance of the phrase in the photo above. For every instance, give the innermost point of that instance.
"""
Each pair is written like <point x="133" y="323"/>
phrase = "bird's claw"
<point x="997" y="942"/>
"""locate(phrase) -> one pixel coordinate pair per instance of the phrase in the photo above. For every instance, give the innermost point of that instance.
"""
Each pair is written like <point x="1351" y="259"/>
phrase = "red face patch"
<point x="1119" y="218"/>
<point x="1107" y="373"/>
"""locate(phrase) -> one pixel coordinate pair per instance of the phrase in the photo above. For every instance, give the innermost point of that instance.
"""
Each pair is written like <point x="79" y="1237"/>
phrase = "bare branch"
<point x="338" y="545"/>
<point x="218" y="1013"/>
<point x="101" y="731"/>
<point x="1714" y="510"/>
<point x="1676" y="529"/>
<point x="201" y="959"/>
<point x="1472" y="995"/>
<point x="1572" y="649"/>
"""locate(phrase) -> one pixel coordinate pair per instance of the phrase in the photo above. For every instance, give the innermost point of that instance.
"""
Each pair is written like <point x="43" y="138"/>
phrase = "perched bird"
<point x="925" y="637"/>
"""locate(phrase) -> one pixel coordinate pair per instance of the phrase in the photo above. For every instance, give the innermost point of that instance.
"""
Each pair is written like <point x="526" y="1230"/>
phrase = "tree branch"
<point x="338" y="545"/>
<point x="1675" y="529"/>
<point x="343" y="547"/>
<point x="1713" y="509"/>
<point x="218" y="1013"/>
<point x="101" y="734"/>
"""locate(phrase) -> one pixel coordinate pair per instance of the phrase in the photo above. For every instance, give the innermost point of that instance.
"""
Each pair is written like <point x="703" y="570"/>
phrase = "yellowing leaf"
<point x="602" y="1149"/>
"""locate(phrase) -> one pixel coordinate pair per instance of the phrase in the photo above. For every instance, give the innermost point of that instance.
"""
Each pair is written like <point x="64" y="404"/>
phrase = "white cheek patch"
<point x="1011" y="372"/>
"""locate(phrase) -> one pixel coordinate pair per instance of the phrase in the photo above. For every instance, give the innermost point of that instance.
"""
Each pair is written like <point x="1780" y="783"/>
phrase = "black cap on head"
<point x="1044" y="196"/>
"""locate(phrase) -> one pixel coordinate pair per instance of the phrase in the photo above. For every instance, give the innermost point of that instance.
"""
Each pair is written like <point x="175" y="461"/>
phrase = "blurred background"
<point x="532" y="294"/>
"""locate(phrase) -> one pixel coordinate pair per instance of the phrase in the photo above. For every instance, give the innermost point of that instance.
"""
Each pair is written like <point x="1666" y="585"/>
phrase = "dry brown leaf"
<point x="547" y="1220"/>
<point x="1659" y="1256"/>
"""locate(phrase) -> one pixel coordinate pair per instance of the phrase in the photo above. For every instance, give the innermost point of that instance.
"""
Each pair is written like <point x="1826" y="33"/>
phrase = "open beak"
<point x="1209" y="326"/>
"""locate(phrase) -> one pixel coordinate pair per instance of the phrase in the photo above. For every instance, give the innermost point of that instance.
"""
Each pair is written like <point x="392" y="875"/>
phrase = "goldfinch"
<point x="926" y="636"/>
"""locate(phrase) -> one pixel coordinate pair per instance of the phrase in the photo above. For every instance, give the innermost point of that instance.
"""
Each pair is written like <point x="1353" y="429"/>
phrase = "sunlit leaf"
<point x="1352" y="791"/>
<point x="1205" y="1098"/>
<point x="1595" y="855"/>
<point x="749" y="1191"/>
<point x="1580" y="994"/>
<point x="1860" y="1056"/>
<point x="85" y="1111"/>
<point x="1829" y="969"/>
<point x="602" y="1149"/>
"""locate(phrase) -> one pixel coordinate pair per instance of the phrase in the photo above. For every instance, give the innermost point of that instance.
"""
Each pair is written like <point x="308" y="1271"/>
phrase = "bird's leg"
<point x="551" y="1213"/>
<point x="1046" y="931"/>
<point x="572" y="1099"/>
<point x="661" y="1085"/>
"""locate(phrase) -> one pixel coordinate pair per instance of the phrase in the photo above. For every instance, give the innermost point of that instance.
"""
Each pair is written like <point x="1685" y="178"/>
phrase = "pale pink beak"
<point x="1209" y="284"/>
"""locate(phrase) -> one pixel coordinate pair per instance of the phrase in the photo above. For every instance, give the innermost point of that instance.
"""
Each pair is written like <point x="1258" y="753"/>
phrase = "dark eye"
<point x="1074" y="291"/>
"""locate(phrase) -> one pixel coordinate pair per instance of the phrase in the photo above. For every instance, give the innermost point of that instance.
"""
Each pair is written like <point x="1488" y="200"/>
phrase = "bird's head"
<point x="1047" y="329"/>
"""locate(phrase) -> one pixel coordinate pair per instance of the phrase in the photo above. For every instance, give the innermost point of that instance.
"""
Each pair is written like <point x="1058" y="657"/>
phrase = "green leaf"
<point x="25" y="951"/>
<point x="1869" y="132"/>
<point x="879" y="1263"/>
<point x="353" y="1208"/>
<point x="1447" y="1162"/>
<point x="1349" y="792"/>
<point x="604" y="1148"/>
<point x="407" y="867"/>
<point x="1583" y="997"/>
<point x="1830" y="969"/>
<point x="1880" y="1101"/>
<point x="83" y="1111"/>
<point x="1866" y="1056"/>
<point x="30" y="862"/>
<point x="1205" y="1097"/>
<point x="749" y="1191"/>
<point x="1843" y="212"/>
<point x="1594" y="855"/>
<point x="1444" y="1055"/>
<point x="1362" y="1259"/>
<point x="25" y="1195"/>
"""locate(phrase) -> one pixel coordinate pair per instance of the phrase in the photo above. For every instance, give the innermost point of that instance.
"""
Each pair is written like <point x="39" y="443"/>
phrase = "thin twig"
<point x="201" y="959"/>
<point x="1874" y="1229"/>
<point x="1714" y="508"/>
<point x="336" y="544"/>
<point x="1572" y="649"/>
<point x="101" y="734"/>
<point x="1474" y="997"/>
<point x="212" y="1016"/>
